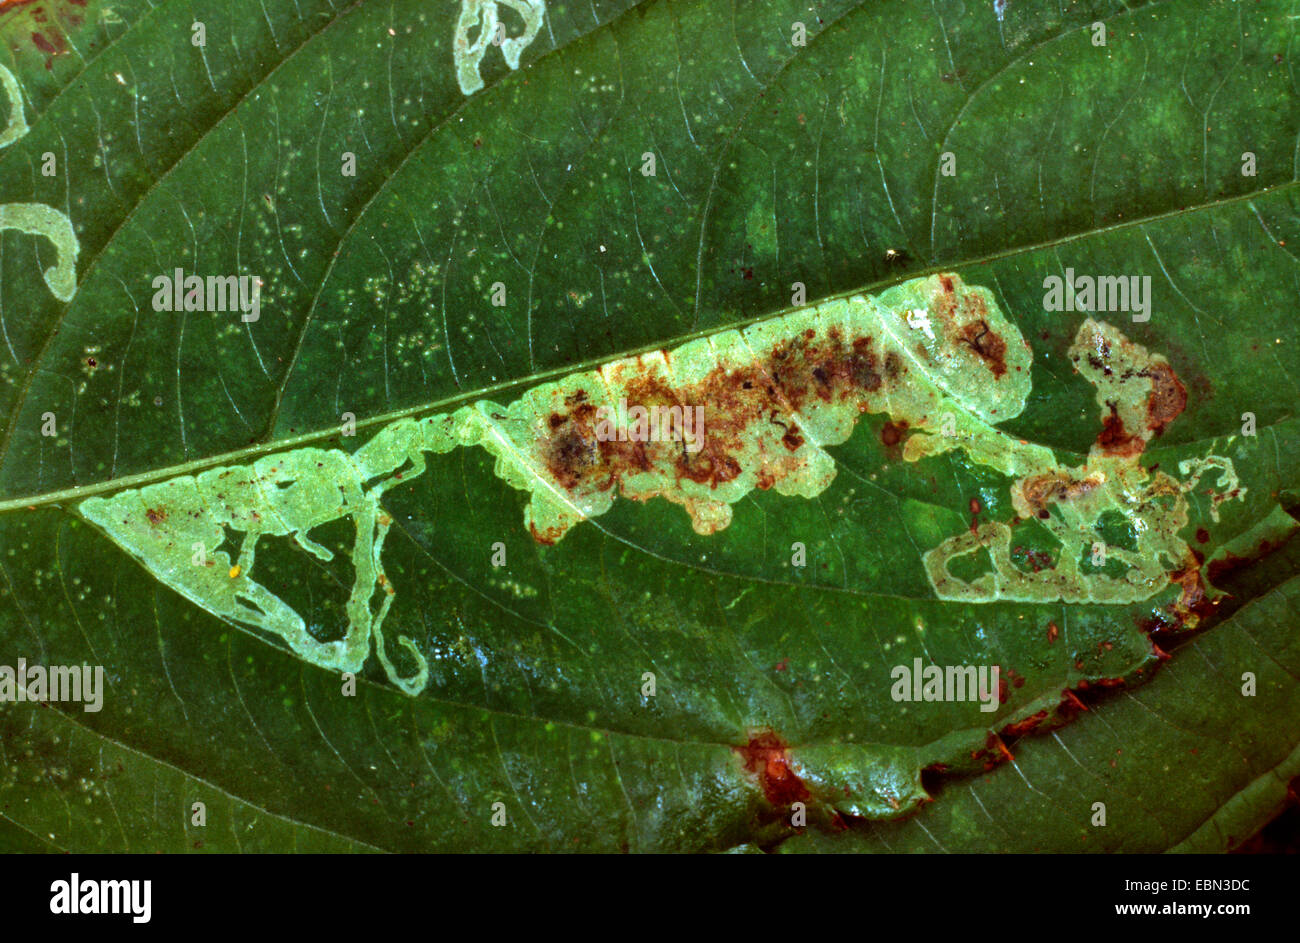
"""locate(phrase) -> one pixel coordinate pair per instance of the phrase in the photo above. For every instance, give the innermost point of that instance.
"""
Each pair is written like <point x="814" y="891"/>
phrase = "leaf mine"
<point x="937" y="356"/>
<point x="483" y="15"/>
<point x="37" y="219"/>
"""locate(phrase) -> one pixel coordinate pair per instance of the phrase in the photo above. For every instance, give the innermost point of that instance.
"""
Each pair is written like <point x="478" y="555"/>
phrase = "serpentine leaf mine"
<point x="17" y="126"/>
<point x="491" y="32"/>
<point x="936" y="355"/>
<point x="37" y="219"/>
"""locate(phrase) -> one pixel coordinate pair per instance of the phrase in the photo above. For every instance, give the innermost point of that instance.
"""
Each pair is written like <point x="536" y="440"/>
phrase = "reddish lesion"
<point x="737" y="401"/>
<point x="1128" y="370"/>
<point x="1039" y="491"/>
<point x="891" y="433"/>
<point x="1026" y="726"/>
<point x="1168" y="396"/>
<point x="43" y="23"/>
<point x="766" y="755"/>
<point x="1114" y="439"/>
<point x="969" y="309"/>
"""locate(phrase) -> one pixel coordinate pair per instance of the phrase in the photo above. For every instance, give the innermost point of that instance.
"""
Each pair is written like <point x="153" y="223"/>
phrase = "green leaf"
<point x="1218" y="771"/>
<point x="774" y="163"/>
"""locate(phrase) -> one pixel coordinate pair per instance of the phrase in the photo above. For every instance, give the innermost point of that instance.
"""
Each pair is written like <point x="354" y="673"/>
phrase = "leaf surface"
<point x="774" y="164"/>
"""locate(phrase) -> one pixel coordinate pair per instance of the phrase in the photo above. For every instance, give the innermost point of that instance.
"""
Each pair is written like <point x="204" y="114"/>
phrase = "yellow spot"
<point x="234" y="571"/>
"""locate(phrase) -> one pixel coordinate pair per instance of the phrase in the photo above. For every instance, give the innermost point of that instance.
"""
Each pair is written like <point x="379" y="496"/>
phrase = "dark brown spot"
<point x="991" y="347"/>
<point x="571" y="455"/>
<point x="892" y="433"/>
<point x="1224" y="566"/>
<point x="1114" y="439"/>
<point x="1035" y="560"/>
<point x="862" y="371"/>
<point x="893" y="366"/>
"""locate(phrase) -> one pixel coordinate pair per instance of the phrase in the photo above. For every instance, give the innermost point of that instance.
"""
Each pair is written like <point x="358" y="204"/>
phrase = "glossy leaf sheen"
<point x="775" y="164"/>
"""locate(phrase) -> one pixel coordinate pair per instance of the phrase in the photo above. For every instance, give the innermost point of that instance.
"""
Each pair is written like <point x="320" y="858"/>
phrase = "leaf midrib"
<point x="273" y="446"/>
<point x="337" y="17"/>
<point x="448" y="404"/>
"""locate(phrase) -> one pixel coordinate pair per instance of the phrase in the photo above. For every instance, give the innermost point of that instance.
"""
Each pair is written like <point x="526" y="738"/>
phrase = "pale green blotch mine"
<point x="1139" y="394"/>
<point x="927" y="359"/>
